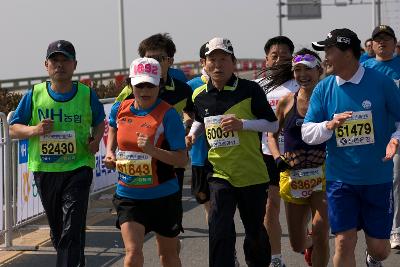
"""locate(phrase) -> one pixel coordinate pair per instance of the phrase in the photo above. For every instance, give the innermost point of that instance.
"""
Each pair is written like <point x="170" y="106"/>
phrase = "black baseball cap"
<point x="342" y="38"/>
<point x="383" y="29"/>
<point x="63" y="47"/>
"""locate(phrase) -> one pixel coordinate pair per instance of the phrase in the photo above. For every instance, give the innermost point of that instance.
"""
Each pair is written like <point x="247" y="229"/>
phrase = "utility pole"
<point x="122" y="34"/>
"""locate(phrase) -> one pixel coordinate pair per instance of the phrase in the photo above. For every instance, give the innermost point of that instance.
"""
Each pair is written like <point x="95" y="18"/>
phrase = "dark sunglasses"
<point x="145" y="85"/>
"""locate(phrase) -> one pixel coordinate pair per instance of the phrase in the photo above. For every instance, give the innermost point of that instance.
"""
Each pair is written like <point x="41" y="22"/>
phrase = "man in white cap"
<point x="234" y="112"/>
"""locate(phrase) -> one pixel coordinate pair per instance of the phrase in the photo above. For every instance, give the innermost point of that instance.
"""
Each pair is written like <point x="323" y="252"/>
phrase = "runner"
<point x="302" y="182"/>
<point x="151" y="139"/>
<point x="369" y="51"/>
<point x="350" y="110"/>
<point x="277" y="50"/>
<point x="198" y="151"/>
<point x="233" y="111"/>
<point x="62" y="142"/>
<point x="176" y="93"/>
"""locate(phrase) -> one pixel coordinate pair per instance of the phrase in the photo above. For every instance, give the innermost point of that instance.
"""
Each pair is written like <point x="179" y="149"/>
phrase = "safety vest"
<point x="66" y="147"/>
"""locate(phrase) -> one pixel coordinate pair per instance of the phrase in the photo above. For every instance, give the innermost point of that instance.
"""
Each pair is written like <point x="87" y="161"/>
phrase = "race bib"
<point x="356" y="131"/>
<point x="58" y="146"/>
<point x="216" y="137"/>
<point x="134" y="168"/>
<point x="304" y="182"/>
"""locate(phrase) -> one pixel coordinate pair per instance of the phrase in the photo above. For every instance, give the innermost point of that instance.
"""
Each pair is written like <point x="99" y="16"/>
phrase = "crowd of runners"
<point x="321" y="134"/>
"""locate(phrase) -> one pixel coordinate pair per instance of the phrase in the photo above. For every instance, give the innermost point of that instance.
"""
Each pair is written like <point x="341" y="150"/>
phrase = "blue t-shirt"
<point x="177" y="74"/>
<point x="365" y="57"/>
<point x="174" y="133"/>
<point x="198" y="153"/>
<point x="23" y="113"/>
<point x="390" y="68"/>
<point x="362" y="164"/>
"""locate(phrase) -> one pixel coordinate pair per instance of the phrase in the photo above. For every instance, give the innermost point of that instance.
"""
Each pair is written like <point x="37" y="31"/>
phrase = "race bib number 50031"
<point x="216" y="137"/>
<point x="356" y="131"/>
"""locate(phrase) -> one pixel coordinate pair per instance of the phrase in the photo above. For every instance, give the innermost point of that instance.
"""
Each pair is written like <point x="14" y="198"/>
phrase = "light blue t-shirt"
<point x="174" y="133"/>
<point x="362" y="164"/>
<point x="364" y="57"/>
<point x="390" y="68"/>
<point x="177" y="74"/>
<point x="198" y="153"/>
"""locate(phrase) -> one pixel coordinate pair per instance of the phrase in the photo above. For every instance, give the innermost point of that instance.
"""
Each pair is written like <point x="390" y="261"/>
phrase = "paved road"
<point x="105" y="246"/>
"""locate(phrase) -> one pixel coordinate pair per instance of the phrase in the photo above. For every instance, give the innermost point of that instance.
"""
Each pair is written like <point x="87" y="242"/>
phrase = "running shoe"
<point x="276" y="263"/>
<point x="395" y="240"/>
<point x="308" y="255"/>
<point x="371" y="262"/>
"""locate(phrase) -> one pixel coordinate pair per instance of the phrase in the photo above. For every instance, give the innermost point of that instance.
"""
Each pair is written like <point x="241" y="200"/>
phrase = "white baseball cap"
<point x="145" y="70"/>
<point x="219" y="43"/>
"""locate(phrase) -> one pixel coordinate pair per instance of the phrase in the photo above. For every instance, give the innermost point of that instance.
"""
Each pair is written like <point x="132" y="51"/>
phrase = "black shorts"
<point x="200" y="183"/>
<point x="273" y="171"/>
<point x="161" y="215"/>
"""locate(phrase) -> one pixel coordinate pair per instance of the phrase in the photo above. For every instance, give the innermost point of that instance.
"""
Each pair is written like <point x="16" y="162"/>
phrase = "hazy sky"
<point x="28" y="26"/>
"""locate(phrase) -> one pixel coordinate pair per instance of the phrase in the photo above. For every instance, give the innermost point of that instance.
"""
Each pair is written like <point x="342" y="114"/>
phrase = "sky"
<point x="27" y="27"/>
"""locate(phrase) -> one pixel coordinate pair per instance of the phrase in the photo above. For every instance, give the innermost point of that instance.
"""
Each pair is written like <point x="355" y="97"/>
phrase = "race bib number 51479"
<point x="356" y="131"/>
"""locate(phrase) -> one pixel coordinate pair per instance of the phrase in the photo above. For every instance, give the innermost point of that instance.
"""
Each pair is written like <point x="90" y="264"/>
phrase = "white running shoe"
<point x="371" y="262"/>
<point x="276" y="263"/>
<point x="395" y="240"/>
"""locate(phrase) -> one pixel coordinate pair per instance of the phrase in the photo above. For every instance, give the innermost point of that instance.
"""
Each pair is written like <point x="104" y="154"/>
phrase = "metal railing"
<point x="190" y="68"/>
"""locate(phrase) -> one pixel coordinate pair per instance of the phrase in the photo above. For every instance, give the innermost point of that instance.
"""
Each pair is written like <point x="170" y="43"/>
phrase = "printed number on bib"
<point x="58" y="146"/>
<point x="216" y="137"/>
<point x="304" y="182"/>
<point x="134" y="168"/>
<point x="356" y="131"/>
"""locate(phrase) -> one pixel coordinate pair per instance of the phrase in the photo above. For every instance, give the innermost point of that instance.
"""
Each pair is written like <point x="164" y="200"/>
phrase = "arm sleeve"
<point x="260" y="125"/>
<point x="260" y="106"/>
<point x="197" y="129"/>
<point x="173" y="130"/>
<point x="23" y="113"/>
<point x="98" y="114"/>
<point x="315" y="133"/>
<point x="112" y="119"/>
<point x="392" y="95"/>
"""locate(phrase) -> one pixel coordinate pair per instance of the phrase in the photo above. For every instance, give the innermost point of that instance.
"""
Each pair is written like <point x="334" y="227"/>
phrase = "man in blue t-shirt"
<point x="352" y="110"/>
<point x="385" y="61"/>
<point x="369" y="51"/>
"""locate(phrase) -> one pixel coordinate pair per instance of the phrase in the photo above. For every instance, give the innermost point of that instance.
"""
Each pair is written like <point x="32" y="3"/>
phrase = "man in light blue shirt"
<point x="352" y="111"/>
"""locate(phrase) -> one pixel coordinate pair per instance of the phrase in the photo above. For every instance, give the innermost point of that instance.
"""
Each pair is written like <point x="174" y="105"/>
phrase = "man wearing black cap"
<point x="385" y="61"/>
<point x="64" y="122"/>
<point x="351" y="111"/>
<point x="384" y="44"/>
<point x="234" y="112"/>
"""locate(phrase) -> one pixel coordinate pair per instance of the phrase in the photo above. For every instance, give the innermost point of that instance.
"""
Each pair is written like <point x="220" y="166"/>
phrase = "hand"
<point x="93" y="145"/>
<point x="189" y="140"/>
<point x="231" y="123"/>
<point x="44" y="127"/>
<point x="338" y="120"/>
<point x="143" y="142"/>
<point x="282" y="164"/>
<point x="110" y="161"/>
<point x="391" y="149"/>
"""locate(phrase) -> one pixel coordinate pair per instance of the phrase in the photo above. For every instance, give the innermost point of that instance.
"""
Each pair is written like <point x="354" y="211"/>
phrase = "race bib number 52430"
<point x="58" y="146"/>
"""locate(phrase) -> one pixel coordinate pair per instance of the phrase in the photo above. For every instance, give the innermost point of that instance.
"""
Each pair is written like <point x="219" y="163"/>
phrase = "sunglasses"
<point x="145" y="85"/>
<point x="306" y="57"/>
<point x="159" y="58"/>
